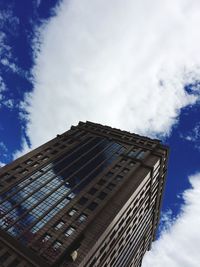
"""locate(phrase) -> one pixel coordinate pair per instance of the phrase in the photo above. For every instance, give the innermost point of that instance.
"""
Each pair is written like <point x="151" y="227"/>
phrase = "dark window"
<point x="92" y="191"/>
<point x="116" y="167"/>
<point x="118" y="177"/>
<point x="4" y="257"/>
<point x="14" y="263"/>
<point x="18" y="168"/>
<point x="109" y="174"/>
<point x="125" y="170"/>
<point x="54" y="152"/>
<point x="10" y="179"/>
<point x="133" y="153"/>
<point x="101" y="182"/>
<point x="131" y="163"/>
<point x="102" y="195"/>
<point x="110" y="186"/>
<point x="28" y="162"/>
<point x="92" y="206"/>
<point x="82" y="200"/>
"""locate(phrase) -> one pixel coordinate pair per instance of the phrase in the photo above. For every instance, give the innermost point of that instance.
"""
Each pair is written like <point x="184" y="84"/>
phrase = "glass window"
<point x="92" y="191"/>
<point x="92" y="206"/>
<point x="72" y="212"/>
<point x="133" y="153"/>
<point x="57" y="245"/>
<point x="24" y="171"/>
<point x="109" y="174"/>
<point x="141" y="155"/>
<point x="70" y="231"/>
<point x="101" y="182"/>
<point x="46" y="237"/>
<point x="125" y="170"/>
<point x="39" y="155"/>
<point x="28" y="162"/>
<point x="82" y="218"/>
<point x="45" y="158"/>
<point x="110" y="186"/>
<point x="59" y="225"/>
<point x="82" y="200"/>
<point x="118" y="177"/>
<point x="102" y="195"/>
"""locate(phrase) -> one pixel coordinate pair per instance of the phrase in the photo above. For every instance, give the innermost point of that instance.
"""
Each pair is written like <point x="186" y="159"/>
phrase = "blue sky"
<point x="120" y="63"/>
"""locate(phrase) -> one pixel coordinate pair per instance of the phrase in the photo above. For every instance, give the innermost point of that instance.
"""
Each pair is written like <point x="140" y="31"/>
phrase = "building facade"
<point x="90" y="197"/>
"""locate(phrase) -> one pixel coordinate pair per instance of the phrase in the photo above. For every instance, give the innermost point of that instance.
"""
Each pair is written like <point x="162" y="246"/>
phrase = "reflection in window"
<point x="72" y="212"/>
<point x="69" y="231"/>
<point x="59" y="225"/>
<point x="44" y="193"/>
<point x="82" y="218"/>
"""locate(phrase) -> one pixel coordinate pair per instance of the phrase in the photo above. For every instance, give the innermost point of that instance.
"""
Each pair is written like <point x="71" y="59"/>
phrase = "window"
<point x="46" y="237"/>
<point x="54" y="152"/>
<point x="92" y="191"/>
<point x="28" y="162"/>
<point x="101" y="182"/>
<point x="35" y="164"/>
<point x="123" y="161"/>
<point x="133" y="153"/>
<point x="92" y="206"/>
<point x="70" y="231"/>
<point x="109" y="174"/>
<point x="131" y="163"/>
<point x="24" y="171"/>
<point x="102" y="195"/>
<point x="72" y="212"/>
<point x="14" y="263"/>
<point x="82" y="218"/>
<point x="141" y="155"/>
<point x="59" y="225"/>
<point x="116" y="167"/>
<point x="10" y="179"/>
<point x="57" y="245"/>
<point x="82" y="200"/>
<point x="118" y="178"/>
<point x="45" y="158"/>
<point x="18" y="168"/>
<point x="4" y="257"/>
<point x="125" y="170"/>
<point x="39" y="156"/>
<point x="110" y="186"/>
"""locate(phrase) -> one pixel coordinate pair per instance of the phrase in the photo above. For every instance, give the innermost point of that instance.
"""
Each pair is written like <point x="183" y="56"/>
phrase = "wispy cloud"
<point x="179" y="244"/>
<point x="193" y="136"/>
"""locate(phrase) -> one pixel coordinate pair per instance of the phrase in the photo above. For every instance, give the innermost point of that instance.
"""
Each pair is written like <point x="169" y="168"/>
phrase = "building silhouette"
<point x="90" y="197"/>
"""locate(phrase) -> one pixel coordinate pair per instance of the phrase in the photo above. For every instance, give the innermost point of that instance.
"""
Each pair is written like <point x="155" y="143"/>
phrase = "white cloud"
<point x="179" y="245"/>
<point x="193" y="136"/>
<point x="121" y="63"/>
<point x="23" y="150"/>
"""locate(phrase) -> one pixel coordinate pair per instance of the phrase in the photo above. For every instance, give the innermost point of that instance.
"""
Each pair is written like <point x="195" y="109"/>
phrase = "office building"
<point x="90" y="197"/>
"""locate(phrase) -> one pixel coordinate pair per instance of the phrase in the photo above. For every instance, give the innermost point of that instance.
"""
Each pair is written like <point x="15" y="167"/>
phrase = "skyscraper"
<point x="90" y="197"/>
